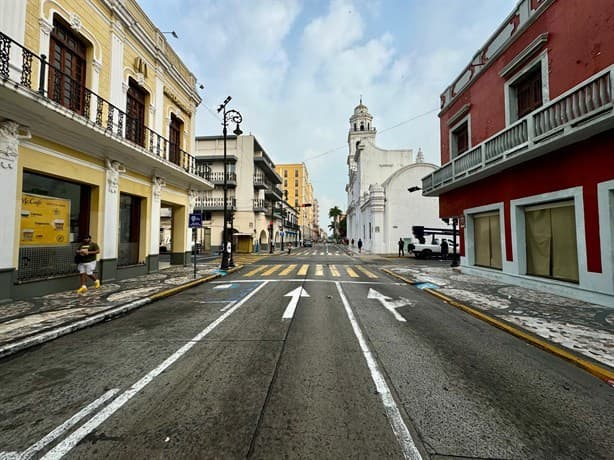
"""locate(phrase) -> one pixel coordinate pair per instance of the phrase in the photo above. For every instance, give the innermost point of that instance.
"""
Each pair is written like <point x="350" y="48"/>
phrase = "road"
<point x="316" y="354"/>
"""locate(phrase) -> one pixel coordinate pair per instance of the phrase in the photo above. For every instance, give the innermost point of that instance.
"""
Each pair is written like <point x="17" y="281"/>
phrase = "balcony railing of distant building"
<point x="585" y="110"/>
<point x="56" y="86"/>
<point x="259" y="205"/>
<point x="260" y="181"/>
<point x="217" y="178"/>
<point x="215" y="204"/>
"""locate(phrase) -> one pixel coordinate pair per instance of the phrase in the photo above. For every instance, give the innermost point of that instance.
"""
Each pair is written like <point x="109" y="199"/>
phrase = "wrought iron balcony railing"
<point x="53" y="85"/>
<point x="580" y="112"/>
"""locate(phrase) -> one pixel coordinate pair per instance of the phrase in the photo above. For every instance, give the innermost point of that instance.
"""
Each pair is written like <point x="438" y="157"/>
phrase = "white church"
<point x="380" y="209"/>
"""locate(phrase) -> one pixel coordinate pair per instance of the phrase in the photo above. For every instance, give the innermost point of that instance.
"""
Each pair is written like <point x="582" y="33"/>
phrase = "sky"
<point x="296" y="70"/>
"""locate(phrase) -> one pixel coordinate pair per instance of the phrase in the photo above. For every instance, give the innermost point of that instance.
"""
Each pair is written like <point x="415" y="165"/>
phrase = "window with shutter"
<point x="67" y="68"/>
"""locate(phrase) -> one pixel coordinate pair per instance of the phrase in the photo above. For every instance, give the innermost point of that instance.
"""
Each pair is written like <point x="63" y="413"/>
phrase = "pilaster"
<point x="156" y="189"/>
<point x="9" y="151"/>
<point x="111" y="209"/>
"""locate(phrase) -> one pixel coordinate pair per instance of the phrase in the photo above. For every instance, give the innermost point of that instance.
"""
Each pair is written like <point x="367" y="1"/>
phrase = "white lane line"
<point x="392" y="411"/>
<point x="230" y="304"/>
<point x="67" y="425"/>
<point x="71" y="441"/>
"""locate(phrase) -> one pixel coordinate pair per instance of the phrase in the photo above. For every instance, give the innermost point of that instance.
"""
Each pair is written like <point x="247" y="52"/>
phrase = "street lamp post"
<point x="283" y="219"/>
<point x="235" y="117"/>
<point x="454" y="258"/>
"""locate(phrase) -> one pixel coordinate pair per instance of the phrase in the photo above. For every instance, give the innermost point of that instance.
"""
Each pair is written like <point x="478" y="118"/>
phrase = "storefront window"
<point x="129" y="229"/>
<point x="54" y="214"/>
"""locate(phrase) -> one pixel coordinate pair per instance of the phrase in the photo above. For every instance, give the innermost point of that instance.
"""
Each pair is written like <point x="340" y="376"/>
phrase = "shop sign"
<point x="45" y="220"/>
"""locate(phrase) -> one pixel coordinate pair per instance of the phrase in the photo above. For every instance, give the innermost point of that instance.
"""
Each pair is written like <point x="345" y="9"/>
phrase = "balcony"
<point x="215" y="204"/>
<point x="259" y="205"/>
<point x="273" y="193"/>
<point x="582" y="112"/>
<point x="217" y="178"/>
<point x="58" y="108"/>
<point x="259" y="181"/>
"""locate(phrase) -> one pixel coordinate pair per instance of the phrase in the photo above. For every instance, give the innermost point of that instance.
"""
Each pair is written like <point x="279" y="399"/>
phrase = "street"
<point x="316" y="354"/>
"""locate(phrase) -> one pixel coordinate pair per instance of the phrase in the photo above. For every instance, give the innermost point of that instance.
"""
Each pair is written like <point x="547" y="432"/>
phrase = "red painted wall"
<point x="580" y="43"/>
<point x="583" y="164"/>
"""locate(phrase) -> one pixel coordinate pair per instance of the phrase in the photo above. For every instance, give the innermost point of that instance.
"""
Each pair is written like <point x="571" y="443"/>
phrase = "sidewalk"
<point x="574" y="330"/>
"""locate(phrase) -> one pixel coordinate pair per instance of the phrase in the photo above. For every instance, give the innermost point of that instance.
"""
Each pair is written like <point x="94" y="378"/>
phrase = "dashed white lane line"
<point x="399" y="428"/>
<point x="71" y="441"/>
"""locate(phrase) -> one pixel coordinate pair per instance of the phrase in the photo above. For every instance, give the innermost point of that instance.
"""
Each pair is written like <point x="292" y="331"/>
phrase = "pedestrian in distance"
<point x="401" y="247"/>
<point x="352" y="242"/>
<point x="359" y="245"/>
<point x="86" y="262"/>
<point x="444" y="250"/>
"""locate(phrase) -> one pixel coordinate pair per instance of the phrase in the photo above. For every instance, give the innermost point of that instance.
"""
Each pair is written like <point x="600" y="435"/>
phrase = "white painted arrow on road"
<point x="388" y="303"/>
<point x="295" y="294"/>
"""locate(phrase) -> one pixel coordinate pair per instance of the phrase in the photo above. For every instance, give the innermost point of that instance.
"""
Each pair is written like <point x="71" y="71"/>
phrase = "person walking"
<point x="86" y="262"/>
<point x="444" y="250"/>
<point x="359" y="245"/>
<point x="401" y="247"/>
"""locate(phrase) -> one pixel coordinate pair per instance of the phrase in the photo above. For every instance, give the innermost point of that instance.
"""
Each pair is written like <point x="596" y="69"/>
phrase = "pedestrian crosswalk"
<point x="311" y="270"/>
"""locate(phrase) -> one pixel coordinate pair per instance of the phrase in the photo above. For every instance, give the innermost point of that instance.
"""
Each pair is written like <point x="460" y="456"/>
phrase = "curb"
<point x="119" y="310"/>
<point x="594" y="369"/>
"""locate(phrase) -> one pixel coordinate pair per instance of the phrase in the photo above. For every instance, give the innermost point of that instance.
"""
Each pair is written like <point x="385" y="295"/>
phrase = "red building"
<point x="527" y="148"/>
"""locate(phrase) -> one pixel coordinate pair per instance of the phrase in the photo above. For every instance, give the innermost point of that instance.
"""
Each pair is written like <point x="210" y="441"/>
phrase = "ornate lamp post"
<point x="235" y="117"/>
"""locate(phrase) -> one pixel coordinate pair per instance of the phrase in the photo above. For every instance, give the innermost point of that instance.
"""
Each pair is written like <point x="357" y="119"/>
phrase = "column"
<point x="108" y="268"/>
<point x="9" y="243"/>
<point x="118" y="95"/>
<point x="154" y="230"/>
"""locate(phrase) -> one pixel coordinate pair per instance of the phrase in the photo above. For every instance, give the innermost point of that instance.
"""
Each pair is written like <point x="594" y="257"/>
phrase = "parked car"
<point x="308" y="243"/>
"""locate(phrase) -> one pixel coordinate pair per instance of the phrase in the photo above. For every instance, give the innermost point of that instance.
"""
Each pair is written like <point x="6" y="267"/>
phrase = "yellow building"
<point x="96" y="129"/>
<point x="299" y="190"/>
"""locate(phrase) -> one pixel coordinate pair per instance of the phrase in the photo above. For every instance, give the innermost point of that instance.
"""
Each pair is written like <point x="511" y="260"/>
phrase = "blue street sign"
<point x="195" y="221"/>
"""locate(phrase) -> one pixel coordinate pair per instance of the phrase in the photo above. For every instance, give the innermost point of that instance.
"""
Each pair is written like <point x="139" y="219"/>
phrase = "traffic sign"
<point x="195" y="221"/>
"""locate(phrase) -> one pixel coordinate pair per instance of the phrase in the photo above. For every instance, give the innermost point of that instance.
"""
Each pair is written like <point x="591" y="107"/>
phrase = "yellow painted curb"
<point x="175" y="290"/>
<point x="596" y="370"/>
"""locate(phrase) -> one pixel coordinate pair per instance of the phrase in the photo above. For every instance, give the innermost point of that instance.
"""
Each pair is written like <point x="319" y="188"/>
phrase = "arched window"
<point x="362" y="126"/>
<point x="355" y="127"/>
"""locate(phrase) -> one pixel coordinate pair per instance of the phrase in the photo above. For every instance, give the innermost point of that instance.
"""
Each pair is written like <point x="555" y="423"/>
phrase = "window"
<point x="135" y="114"/>
<point x="551" y="241"/>
<point x="66" y="68"/>
<point x="460" y="139"/>
<point x="487" y="240"/>
<point x="129" y="229"/>
<point x="174" y="136"/>
<point x="296" y="173"/>
<point x="285" y="173"/>
<point x="296" y="182"/>
<point x="285" y="182"/>
<point x="528" y="91"/>
<point x="295" y="192"/>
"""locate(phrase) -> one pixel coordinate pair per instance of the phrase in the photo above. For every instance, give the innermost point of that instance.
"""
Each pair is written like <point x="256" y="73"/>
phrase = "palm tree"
<point x="334" y="214"/>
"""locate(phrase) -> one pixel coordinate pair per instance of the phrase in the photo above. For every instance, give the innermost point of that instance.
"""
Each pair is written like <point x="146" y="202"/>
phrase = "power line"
<point x="382" y="131"/>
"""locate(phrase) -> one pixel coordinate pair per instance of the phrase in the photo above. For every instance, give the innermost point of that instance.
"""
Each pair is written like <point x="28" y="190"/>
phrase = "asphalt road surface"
<point x="313" y="355"/>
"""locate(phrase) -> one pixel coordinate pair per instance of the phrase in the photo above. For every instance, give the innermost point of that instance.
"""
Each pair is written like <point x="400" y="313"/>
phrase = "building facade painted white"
<point x="380" y="209"/>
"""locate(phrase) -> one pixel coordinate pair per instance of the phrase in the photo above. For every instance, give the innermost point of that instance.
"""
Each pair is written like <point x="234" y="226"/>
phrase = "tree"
<point x="334" y="214"/>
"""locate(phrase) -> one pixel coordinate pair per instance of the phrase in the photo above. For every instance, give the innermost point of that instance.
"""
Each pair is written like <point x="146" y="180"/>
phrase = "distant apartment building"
<point x="526" y="151"/>
<point x="254" y="199"/>
<point x="96" y="137"/>
<point x="295" y="177"/>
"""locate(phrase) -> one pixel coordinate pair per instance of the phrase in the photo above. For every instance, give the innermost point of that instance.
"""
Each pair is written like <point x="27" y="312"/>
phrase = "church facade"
<point x="380" y="209"/>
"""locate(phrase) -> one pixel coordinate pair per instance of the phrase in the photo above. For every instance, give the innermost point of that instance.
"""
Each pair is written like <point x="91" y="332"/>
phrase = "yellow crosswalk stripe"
<point x="366" y="272"/>
<point x="256" y="270"/>
<point x="334" y="271"/>
<point x="303" y="270"/>
<point x="319" y="270"/>
<point x="289" y="269"/>
<point x="350" y="271"/>
<point x="271" y="270"/>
